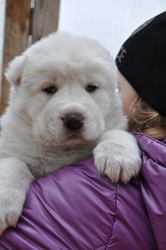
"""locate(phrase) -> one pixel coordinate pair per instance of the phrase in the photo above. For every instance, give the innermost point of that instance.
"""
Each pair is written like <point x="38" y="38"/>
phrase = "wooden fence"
<point x="26" y="21"/>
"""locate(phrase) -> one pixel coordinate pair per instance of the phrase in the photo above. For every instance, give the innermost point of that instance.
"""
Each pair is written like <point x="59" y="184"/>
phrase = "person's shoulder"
<point x="142" y="138"/>
<point x="164" y="140"/>
<point x="153" y="148"/>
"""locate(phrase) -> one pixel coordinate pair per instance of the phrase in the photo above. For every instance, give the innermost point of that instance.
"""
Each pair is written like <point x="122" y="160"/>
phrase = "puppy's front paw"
<point x="118" y="160"/>
<point x="15" y="179"/>
<point x="11" y="204"/>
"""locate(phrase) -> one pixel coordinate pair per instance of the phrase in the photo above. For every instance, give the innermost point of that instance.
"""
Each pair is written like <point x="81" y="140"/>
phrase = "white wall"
<point x="109" y="21"/>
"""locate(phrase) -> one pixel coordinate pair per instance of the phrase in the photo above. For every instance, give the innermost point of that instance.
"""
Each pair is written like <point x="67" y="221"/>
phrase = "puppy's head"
<point x="64" y="88"/>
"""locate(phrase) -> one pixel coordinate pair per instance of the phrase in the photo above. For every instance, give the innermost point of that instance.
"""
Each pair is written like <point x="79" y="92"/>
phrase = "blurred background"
<point x="109" y="21"/>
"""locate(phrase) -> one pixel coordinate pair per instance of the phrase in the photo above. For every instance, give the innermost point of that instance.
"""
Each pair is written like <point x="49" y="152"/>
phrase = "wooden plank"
<point x="45" y="18"/>
<point x="20" y="22"/>
<point x="16" y="38"/>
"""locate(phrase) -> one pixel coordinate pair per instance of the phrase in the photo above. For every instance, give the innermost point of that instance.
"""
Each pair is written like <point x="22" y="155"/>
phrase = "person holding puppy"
<point x="75" y="208"/>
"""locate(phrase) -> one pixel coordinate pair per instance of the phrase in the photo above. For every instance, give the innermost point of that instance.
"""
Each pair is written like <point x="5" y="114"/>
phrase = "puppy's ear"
<point x="14" y="70"/>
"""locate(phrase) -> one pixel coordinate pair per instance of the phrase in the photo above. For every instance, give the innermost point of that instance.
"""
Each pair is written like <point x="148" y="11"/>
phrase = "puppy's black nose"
<point x="73" y="121"/>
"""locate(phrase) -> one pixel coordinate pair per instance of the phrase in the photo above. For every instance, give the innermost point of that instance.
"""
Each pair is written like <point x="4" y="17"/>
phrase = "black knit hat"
<point x="142" y="61"/>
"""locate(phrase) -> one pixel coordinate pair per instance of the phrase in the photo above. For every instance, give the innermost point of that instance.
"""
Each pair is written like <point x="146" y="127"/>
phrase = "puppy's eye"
<point x="91" y="88"/>
<point x="50" y="90"/>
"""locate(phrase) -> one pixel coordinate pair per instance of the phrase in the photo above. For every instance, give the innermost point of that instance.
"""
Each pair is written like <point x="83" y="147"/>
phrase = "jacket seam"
<point x="106" y="245"/>
<point x="116" y="195"/>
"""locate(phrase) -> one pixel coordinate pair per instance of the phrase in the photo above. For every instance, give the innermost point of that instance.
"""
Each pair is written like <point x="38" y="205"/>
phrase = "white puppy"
<point x="62" y="104"/>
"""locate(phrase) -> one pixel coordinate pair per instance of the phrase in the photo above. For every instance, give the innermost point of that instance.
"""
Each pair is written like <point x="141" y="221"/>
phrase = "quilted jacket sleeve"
<point x="74" y="208"/>
<point x="153" y="185"/>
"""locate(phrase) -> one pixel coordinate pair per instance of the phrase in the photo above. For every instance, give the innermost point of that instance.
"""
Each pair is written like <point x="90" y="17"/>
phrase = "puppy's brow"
<point x="48" y="84"/>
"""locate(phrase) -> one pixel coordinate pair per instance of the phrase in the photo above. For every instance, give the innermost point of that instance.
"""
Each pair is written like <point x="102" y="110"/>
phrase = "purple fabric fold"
<point x="75" y="208"/>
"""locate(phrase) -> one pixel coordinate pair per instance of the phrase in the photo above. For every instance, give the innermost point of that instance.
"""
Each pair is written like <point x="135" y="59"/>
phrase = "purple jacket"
<point x="75" y="209"/>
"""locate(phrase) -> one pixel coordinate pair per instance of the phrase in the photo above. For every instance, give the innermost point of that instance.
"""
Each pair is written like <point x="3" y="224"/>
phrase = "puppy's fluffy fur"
<point x="62" y="105"/>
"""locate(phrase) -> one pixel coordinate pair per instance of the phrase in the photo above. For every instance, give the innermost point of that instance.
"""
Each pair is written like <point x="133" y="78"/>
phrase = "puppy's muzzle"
<point x="73" y="121"/>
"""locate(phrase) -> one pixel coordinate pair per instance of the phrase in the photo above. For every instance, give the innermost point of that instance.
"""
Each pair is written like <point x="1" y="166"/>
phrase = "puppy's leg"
<point x="118" y="156"/>
<point x="15" y="179"/>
